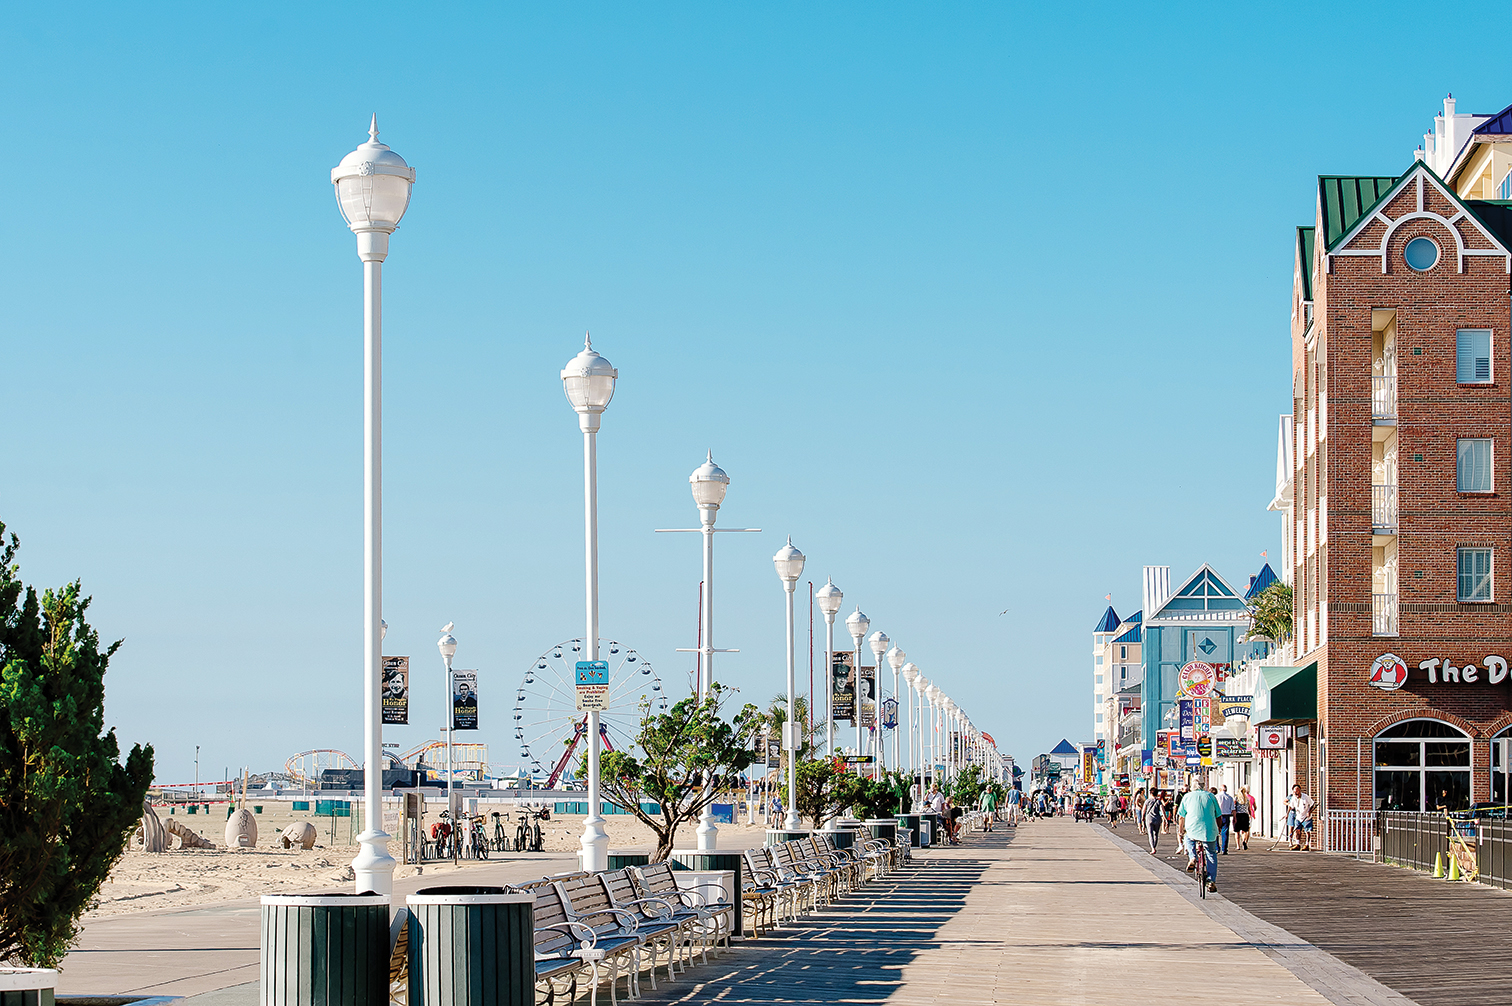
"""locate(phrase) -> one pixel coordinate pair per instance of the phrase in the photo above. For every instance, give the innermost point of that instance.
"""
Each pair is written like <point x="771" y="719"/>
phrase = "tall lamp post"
<point x="789" y="563"/>
<point x="910" y="675"/>
<point x="921" y="685"/>
<point x="588" y="381"/>
<point x="952" y="756"/>
<point x="895" y="659"/>
<point x="709" y="483"/>
<point x="857" y="624"/>
<point x="829" y="598"/>
<point x="447" y="644"/>
<point x="372" y="191"/>
<point x="879" y="644"/>
<point x="933" y="693"/>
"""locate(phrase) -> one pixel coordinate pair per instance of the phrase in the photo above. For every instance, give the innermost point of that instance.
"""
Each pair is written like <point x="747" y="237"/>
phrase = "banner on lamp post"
<point x="464" y="700"/>
<point x="396" y="690"/>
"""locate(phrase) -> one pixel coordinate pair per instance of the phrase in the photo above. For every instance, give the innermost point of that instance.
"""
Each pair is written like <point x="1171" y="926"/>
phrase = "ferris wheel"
<point x="548" y="727"/>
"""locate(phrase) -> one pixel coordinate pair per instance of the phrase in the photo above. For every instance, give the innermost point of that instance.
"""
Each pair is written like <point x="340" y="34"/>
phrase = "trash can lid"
<point x="27" y="979"/>
<point x="459" y="895"/>
<point x="327" y="899"/>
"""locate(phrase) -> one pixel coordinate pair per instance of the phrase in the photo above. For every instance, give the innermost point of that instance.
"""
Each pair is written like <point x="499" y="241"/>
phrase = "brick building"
<point x="1398" y="511"/>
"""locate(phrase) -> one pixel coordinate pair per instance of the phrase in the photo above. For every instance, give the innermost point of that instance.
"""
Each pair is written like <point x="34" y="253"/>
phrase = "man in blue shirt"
<point x="1198" y="815"/>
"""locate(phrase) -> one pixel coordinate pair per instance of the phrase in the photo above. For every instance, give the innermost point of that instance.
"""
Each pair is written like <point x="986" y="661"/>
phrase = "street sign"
<point x="592" y="679"/>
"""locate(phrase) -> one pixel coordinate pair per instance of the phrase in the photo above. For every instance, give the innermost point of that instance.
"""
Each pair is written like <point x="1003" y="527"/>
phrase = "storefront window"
<point x="1501" y="748"/>
<point x="1422" y="765"/>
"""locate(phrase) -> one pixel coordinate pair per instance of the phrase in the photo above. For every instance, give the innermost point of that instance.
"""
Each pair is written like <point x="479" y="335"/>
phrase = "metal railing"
<point x="1383" y="508"/>
<point x="1350" y="833"/>
<point x="1412" y="839"/>
<point x="1383" y="399"/>
<point x="1383" y="620"/>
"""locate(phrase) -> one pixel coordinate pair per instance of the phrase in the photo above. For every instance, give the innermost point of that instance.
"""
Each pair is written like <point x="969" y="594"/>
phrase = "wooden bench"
<point x="553" y="914"/>
<point x="658" y="881"/>
<point x="585" y="901"/>
<point x="761" y="895"/>
<point x="655" y="921"/>
<point x="560" y="947"/>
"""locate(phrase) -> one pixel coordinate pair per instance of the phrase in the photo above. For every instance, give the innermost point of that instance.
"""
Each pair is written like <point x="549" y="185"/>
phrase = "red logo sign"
<point x="1388" y="673"/>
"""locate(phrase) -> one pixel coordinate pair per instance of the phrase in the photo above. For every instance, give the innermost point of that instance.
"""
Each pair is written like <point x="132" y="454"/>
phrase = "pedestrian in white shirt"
<point x="1301" y="806"/>
<point x="1225" y="817"/>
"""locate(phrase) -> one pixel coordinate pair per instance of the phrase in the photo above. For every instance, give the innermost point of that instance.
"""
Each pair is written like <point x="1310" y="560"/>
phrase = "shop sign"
<point x="1204" y="752"/>
<point x="1233" y="748"/>
<point x="1236" y="705"/>
<point x="1389" y="672"/>
<point x="1272" y="738"/>
<point x="1196" y="679"/>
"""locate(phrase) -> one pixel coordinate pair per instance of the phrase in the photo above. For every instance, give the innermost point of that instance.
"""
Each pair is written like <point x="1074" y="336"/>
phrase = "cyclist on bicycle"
<point x="1198" y="816"/>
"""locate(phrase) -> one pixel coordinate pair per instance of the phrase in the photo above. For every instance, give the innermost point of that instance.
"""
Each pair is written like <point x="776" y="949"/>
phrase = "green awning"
<point x="1286" y="695"/>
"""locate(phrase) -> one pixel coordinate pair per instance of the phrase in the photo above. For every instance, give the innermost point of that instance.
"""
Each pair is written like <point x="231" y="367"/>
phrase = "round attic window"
<point x="1421" y="254"/>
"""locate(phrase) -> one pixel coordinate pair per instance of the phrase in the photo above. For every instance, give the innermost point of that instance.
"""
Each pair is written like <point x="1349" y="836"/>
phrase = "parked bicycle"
<point x="500" y="836"/>
<point x="479" y="838"/>
<point x="528" y="837"/>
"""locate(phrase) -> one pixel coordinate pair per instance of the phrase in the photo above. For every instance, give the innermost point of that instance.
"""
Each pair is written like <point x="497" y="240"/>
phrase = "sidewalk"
<point x="1054" y="913"/>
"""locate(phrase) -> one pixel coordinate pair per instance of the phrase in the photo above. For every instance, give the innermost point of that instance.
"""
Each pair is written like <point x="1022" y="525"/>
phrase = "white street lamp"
<point x="588" y="381"/>
<point x="910" y="675"/>
<point x="952" y="765"/>
<point x="895" y="660"/>
<point x="829" y="598"/>
<point x="878" y="644"/>
<point x="372" y="191"/>
<point x="921" y="686"/>
<point x="789" y="563"/>
<point x="857" y="623"/>
<point x="447" y="644"/>
<point x="933" y="693"/>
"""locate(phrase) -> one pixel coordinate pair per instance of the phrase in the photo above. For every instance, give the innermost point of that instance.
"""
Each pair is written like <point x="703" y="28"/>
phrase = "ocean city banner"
<point x="866" y="683"/>
<point x="464" y="700"/>
<point x="843" y="688"/>
<point x="396" y="689"/>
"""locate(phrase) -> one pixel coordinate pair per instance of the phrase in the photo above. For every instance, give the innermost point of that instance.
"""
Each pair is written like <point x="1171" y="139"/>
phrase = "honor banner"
<point x="464" y="700"/>
<point x="396" y="689"/>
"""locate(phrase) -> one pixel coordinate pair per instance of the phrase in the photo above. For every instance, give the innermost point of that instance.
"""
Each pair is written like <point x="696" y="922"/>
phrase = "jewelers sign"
<point x="1389" y="672"/>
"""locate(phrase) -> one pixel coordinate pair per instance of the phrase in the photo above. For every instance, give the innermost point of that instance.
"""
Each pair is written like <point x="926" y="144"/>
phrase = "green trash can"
<point x="27" y="986"/>
<point x="911" y="822"/>
<point x="471" y="946"/>
<point x="843" y="838"/>
<point x="325" y="949"/>
<point x="776" y="836"/>
<point x="621" y="858"/>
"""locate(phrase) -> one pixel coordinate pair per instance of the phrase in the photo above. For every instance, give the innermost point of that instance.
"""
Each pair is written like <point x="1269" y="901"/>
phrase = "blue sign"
<point x="1189" y="730"/>
<point x="889" y="713"/>
<point x="593" y="672"/>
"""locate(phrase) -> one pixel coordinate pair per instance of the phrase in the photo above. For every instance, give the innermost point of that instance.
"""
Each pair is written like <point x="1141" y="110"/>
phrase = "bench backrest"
<point x="549" y="911"/>
<point x="585" y="895"/>
<point x="657" y="879"/>
<point x="784" y="856"/>
<point x="618" y="887"/>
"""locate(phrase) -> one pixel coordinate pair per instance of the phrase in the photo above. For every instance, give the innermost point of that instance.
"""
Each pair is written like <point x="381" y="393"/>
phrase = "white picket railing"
<point x="1350" y="833"/>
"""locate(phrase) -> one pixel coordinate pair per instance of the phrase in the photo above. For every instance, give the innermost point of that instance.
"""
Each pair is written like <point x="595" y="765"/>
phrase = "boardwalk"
<point x="1055" y="913"/>
<point x="1441" y="944"/>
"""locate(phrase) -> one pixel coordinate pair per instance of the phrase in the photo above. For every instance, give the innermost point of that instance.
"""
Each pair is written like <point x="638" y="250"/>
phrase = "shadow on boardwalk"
<point x="1438" y="943"/>
<point x="852" y="952"/>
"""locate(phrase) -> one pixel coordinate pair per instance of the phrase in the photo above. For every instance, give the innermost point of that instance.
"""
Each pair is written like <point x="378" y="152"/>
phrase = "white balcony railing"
<point x="1383" y="508"/>
<point x="1383" y="399"/>
<point x="1383" y="614"/>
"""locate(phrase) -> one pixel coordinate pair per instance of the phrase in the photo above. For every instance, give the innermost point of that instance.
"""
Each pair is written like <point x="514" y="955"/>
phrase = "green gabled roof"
<point x="1496" y="214"/>
<point x="1305" y="255"/>
<point x="1345" y="199"/>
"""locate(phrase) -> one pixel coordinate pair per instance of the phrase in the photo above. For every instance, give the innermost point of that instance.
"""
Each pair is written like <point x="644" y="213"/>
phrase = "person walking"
<point x="1225" y="817"/>
<point x="1300" y="808"/>
<point x="988" y="807"/>
<point x="1198" y="815"/>
<point x="1242" y="812"/>
<point x="1154" y="816"/>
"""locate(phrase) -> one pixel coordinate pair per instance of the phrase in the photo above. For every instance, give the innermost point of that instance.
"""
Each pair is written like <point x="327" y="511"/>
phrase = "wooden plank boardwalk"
<point x="1053" y="913"/>
<point x="1440" y="944"/>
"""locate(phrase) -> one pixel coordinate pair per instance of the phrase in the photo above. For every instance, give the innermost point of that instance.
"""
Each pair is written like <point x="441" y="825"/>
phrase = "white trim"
<point x="27" y="979"/>
<point x="326" y="900"/>
<point x="1420" y="176"/>
<point x="469" y="899"/>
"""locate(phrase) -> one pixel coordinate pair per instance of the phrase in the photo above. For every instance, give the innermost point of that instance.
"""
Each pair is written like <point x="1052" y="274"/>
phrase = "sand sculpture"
<point x="241" y="826"/>
<point x="300" y="833"/>
<point x="187" y="839"/>
<point x="151" y="834"/>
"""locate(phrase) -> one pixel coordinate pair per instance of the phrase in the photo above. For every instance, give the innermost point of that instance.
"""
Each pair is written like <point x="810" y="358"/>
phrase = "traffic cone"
<point x="1454" y="873"/>
<point x="1438" y="866"/>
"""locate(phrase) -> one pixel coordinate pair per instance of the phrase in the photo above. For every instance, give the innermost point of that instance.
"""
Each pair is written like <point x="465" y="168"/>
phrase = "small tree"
<point x="819" y="785"/>
<point x="687" y="755"/>
<point x="67" y="804"/>
<point x="1272" y="614"/>
<point x="966" y="788"/>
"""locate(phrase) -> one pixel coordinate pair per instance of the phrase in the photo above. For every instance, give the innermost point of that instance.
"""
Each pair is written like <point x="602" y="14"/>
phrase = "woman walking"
<point x="1244" y="807"/>
<point x="1154" y="817"/>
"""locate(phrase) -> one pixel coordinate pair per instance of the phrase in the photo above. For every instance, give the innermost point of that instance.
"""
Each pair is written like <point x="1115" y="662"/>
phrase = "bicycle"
<point x="1202" y="875"/>
<point x="479" y="838"/>
<point x="500" y="837"/>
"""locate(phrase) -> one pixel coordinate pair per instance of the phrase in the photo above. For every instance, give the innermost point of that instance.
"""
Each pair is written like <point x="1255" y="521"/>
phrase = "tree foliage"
<point x="688" y="755"/>
<point x="1272" y="614"/>
<point x="67" y="804"/>
<point x="966" y="788"/>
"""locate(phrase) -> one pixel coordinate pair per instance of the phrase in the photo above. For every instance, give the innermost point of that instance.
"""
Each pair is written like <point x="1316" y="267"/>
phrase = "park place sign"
<point x="1389" y="671"/>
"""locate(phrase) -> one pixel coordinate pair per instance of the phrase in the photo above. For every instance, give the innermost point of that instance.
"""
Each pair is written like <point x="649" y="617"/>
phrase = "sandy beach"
<point x="185" y="877"/>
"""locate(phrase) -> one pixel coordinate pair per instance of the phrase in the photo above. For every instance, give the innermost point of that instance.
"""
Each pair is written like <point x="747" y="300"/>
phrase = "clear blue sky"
<point x="986" y="307"/>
